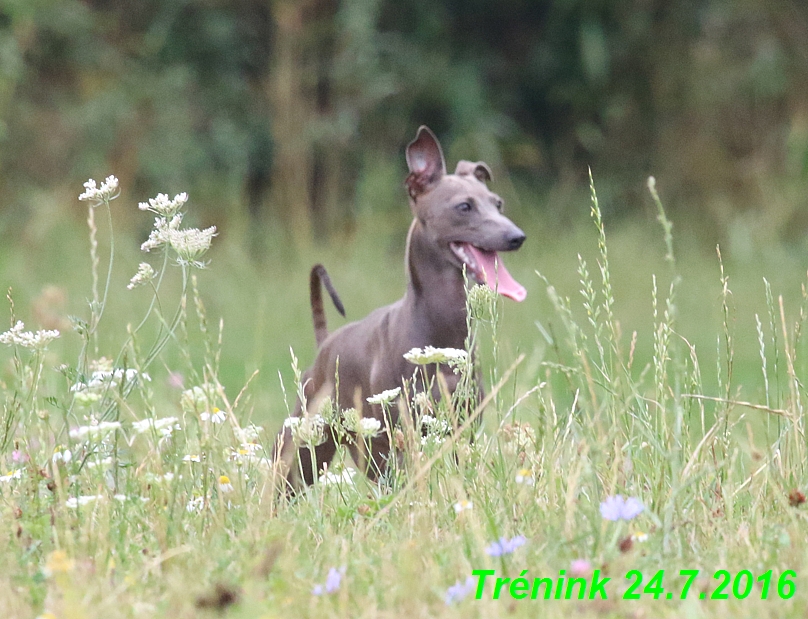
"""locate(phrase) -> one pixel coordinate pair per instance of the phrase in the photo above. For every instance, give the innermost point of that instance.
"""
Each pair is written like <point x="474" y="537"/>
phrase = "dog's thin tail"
<point x="320" y="276"/>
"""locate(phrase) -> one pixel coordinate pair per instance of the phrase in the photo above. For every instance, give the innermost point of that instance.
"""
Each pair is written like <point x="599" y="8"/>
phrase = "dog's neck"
<point x="436" y="293"/>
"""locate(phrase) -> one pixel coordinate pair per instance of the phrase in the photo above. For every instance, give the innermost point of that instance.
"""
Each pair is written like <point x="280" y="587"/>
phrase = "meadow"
<point x="134" y="444"/>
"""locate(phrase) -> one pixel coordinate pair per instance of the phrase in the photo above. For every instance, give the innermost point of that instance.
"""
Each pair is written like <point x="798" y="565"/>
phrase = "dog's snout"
<point x="515" y="239"/>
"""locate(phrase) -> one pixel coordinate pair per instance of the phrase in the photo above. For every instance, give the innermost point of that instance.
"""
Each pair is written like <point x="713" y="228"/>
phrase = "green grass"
<point x="589" y="411"/>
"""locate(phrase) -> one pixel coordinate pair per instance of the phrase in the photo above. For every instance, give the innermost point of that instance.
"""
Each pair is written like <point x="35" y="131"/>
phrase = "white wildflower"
<point x="35" y="341"/>
<point x="103" y="379"/>
<point x="216" y="416"/>
<point x="369" y="427"/>
<point x="164" y="426"/>
<point x="308" y="429"/>
<point x="162" y="228"/>
<point x="196" y="399"/>
<point x="98" y="195"/>
<point x="192" y="458"/>
<point x="80" y="501"/>
<point x="462" y="506"/>
<point x="100" y="462"/>
<point x="429" y="355"/>
<point x="525" y="476"/>
<point x="95" y="430"/>
<point x="191" y="244"/>
<point x="224" y="484"/>
<point x="145" y="274"/>
<point x="16" y="474"/>
<point x="60" y="454"/>
<point x="196" y="504"/>
<point x="385" y="397"/>
<point x="163" y="206"/>
<point x="344" y="478"/>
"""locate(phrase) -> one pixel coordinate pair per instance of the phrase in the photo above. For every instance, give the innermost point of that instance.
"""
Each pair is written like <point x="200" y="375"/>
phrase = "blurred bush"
<point x="283" y="109"/>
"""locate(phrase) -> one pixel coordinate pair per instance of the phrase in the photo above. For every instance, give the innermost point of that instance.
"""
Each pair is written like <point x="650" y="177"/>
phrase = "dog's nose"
<point x="515" y="239"/>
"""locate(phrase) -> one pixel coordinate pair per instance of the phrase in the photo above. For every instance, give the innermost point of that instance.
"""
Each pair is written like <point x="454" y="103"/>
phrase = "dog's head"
<point x="461" y="216"/>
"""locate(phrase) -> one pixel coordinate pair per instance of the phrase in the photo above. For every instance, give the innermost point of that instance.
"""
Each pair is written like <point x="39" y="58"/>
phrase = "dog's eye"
<point x="463" y="207"/>
<point x="499" y="205"/>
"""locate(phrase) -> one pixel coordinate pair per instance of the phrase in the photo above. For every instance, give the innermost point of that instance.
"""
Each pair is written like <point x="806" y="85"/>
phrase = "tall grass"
<point x="137" y="485"/>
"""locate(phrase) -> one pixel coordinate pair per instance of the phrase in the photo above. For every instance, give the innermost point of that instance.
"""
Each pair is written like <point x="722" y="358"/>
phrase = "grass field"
<point x="638" y="370"/>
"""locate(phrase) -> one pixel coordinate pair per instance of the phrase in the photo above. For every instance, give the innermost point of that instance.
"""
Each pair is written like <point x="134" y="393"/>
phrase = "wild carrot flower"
<point x="385" y="397"/>
<point x="82" y="500"/>
<point x="429" y="355"/>
<point x="97" y="429"/>
<point x="145" y="274"/>
<point x="98" y="195"/>
<point x="309" y="429"/>
<point x="164" y="426"/>
<point x="35" y="341"/>
<point x="505" y="546"/>
<point x="343" y="478"/>
<point x="369" y="427"/>
<point x="459" y="590"/>
<point x="618" y="508"/>
<point x="191" y="244"/>
<point x="163" y="206"/>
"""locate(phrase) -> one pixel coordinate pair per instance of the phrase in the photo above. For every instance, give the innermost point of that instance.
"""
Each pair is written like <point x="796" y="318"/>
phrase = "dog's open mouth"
<point x="486" y="267"/>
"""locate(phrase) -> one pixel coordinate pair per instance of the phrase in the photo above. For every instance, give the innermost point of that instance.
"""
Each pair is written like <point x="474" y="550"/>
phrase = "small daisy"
<point x="192" y="458"/>
<point x="224" y="484"/>
<point x="16" y="474"/>
<point x="525" y="476"/>
<point x="462" y="506"/>
<point x="215" y="416"/>
<point x="639" y="536"/>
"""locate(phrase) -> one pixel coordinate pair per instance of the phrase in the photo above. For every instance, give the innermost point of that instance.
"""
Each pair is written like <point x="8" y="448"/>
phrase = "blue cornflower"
<point x="618" y="508"/>
<point x="459" y="590"/>
<point x="505" y="546"/>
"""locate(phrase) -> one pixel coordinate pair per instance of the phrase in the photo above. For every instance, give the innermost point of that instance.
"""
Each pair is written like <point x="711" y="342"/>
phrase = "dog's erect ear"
<point x="478" y="169"/>
<point x="425" y="161"/>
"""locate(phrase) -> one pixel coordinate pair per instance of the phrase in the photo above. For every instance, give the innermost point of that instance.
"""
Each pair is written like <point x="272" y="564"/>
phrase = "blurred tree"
<point x="282" y="107"/>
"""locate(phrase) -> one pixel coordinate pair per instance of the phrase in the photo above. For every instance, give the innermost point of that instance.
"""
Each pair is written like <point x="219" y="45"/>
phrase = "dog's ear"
<point x="478" y="169"/>
<point x="425" y="161"/>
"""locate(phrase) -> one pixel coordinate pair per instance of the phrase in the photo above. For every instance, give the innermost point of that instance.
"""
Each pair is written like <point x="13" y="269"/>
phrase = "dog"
<point x="458" y="226"/>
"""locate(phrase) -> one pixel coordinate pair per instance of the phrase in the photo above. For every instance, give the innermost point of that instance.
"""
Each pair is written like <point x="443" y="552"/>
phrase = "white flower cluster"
<point x="163" y="206"/>
<point x="145" y="274"/>
<point x="164" y="427"/>
<point x="385" y="397"/>
<point x="80" y="501"/>
<point x="306" y="429"/>
<point x="344" y="478"/>
<point x="103" y="379"/>
<point x="190" y="244"/>
<point x="98" y="195"/>
<point x="429" y="355"/>
<point x="435" y="430"/>
<point x="94" y="430"/>
<point x="35" y="341"/>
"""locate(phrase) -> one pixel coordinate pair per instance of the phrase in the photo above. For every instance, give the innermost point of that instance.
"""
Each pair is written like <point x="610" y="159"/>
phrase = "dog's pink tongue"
<point x="496" y="275"/>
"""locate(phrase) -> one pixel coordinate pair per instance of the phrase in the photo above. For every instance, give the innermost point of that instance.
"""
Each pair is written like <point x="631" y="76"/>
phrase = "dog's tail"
<point x="320" y="276"/>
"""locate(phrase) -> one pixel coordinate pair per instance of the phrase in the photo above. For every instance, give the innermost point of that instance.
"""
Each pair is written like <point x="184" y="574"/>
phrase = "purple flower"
<point x="459" y="590"/>
<point x="618" y="508"/>
<point x="332" y="582"/>
<point x="505" y="546"/>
